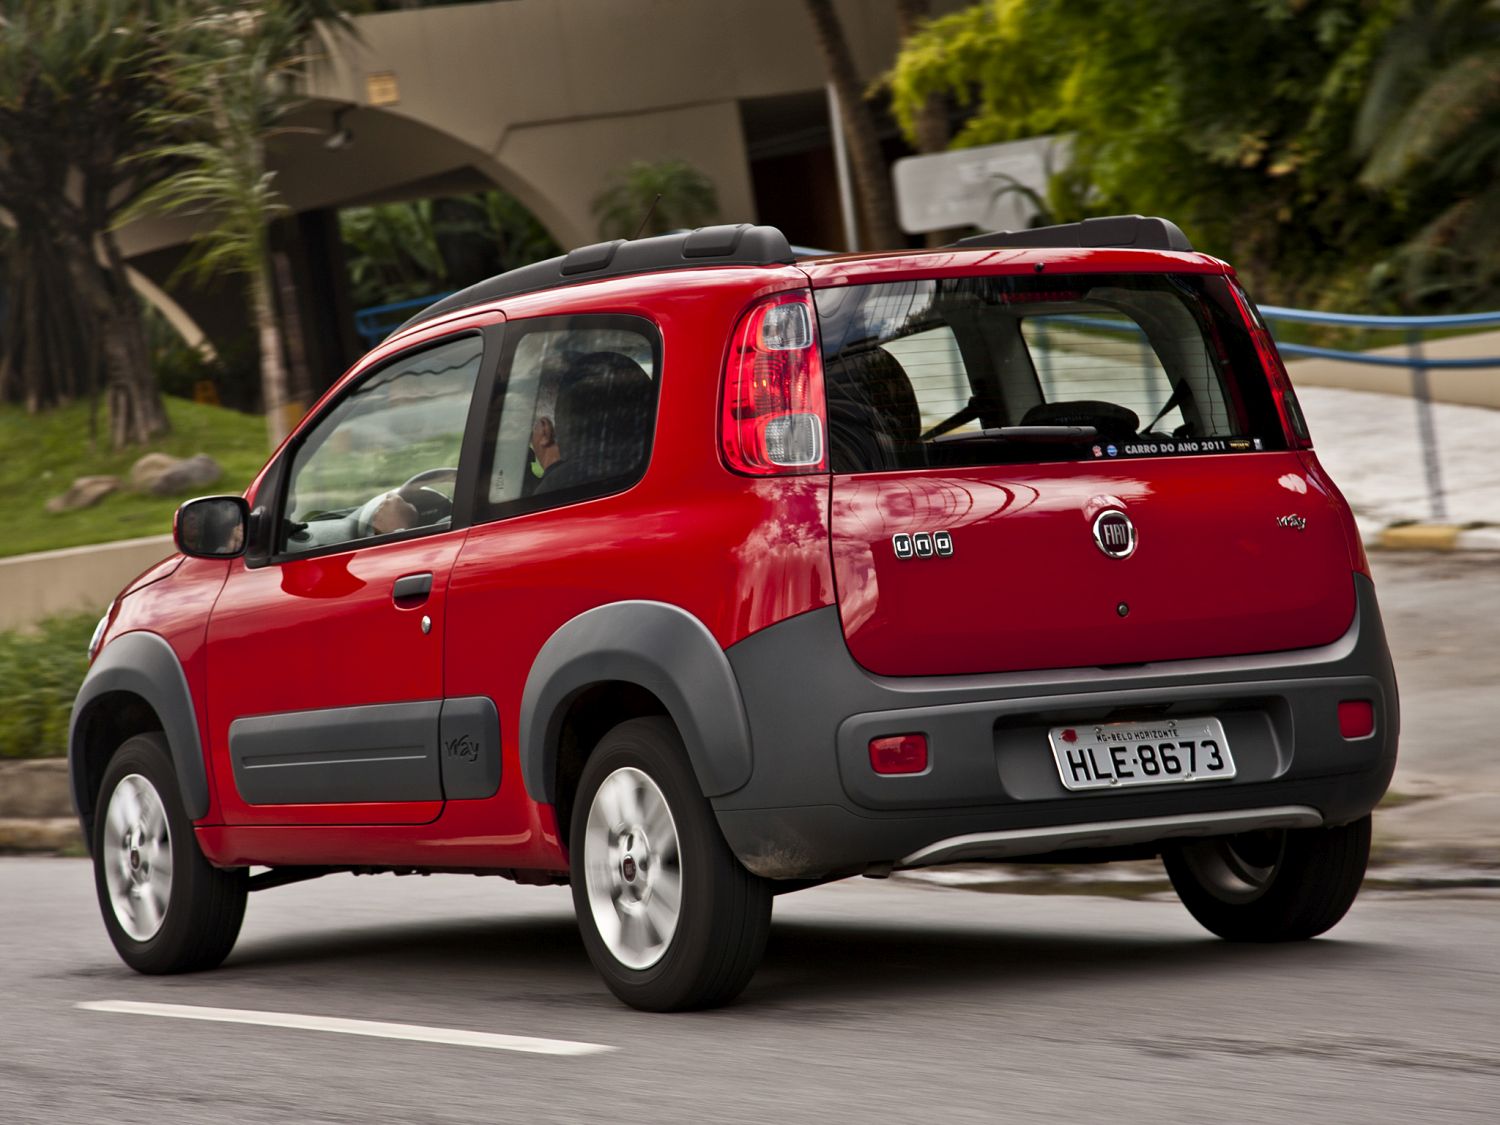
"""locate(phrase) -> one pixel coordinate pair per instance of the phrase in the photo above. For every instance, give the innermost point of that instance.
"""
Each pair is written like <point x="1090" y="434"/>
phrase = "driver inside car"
<point x="399" y="509"/>
<point x="394" y="513"/>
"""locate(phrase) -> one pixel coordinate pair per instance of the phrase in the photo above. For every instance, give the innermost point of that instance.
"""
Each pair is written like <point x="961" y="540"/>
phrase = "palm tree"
<point x="666" y="196"/>
<point x="1429" y="129"/>
<point x="872" y="178"/>
<point x="229" y="90"/>
<point x="74" y="78"/>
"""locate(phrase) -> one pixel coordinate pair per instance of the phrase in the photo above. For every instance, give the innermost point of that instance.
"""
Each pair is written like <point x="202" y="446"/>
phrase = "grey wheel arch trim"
<point x="659" y="647"/>
<point x="142" y="664"/>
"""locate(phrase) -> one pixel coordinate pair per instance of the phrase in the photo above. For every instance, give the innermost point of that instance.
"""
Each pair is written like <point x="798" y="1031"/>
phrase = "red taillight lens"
<point x="899" y="753"/>
<point x="1356" y="718"/>
<point x="773" y="420"/>
<point x="1287" y="406"/>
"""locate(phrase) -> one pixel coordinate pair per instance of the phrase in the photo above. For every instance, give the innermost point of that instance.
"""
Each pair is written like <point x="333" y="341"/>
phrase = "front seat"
<point x="873" y="416"/>
<point x="602" y="421"/>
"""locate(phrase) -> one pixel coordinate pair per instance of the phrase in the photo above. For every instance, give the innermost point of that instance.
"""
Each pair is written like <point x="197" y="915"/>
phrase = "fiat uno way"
<point x="689" y="571"/>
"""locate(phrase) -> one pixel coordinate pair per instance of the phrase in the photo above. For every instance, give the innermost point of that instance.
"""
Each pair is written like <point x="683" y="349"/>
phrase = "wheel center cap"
<point x="627" y="868"/>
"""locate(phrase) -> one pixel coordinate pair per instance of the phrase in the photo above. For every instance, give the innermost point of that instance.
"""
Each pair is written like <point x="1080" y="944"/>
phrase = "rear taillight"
<point x="773" y="421"/>
<point x="1292" y="420"/>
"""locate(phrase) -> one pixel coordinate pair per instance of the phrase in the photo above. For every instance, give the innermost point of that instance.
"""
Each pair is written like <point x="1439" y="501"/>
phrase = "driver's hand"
<point x="393" y="514"/>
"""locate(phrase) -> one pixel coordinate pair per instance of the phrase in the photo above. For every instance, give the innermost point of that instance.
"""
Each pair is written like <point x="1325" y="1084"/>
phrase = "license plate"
<point x="1151" y="752"/>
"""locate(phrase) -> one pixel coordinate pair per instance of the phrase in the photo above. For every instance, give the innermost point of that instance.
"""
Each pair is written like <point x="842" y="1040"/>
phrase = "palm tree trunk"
<point x="872" y="180"/>
<point x="931" y="124"/>
<point x="132" y="381"/>
<point x="273" y="380"/>
<point x="136" y="413"/>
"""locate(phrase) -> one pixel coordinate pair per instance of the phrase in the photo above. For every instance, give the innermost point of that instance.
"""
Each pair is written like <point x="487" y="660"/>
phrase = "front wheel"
<point x="167" y="909"/>
<point x="1281" y="885"/>
<point x="669" y="917"/>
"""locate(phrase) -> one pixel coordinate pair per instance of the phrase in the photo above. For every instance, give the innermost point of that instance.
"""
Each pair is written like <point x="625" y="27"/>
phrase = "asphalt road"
<point x="892" y="1001"/>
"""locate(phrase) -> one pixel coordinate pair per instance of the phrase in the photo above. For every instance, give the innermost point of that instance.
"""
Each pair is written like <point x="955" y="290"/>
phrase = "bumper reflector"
<point x="899" y="753"/>
<point x="1356" y="718"/>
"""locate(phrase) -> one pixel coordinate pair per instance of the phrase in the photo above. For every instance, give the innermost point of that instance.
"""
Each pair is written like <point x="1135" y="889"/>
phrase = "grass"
<point x="42" y="668"/>
<point x="42" y="454"/>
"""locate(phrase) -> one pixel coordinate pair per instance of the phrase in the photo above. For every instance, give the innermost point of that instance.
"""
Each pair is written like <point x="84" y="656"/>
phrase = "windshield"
<point x="991" y="370"/>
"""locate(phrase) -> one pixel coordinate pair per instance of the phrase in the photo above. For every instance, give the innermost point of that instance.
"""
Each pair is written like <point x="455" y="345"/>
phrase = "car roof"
<point x="1111" y="243"/>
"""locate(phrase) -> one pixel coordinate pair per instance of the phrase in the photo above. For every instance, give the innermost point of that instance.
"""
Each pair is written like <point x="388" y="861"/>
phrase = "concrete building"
<point x="545" y="99"/>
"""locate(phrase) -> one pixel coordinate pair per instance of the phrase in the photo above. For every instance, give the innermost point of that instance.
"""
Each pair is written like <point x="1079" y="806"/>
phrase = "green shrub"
<point x="42" y="669"/>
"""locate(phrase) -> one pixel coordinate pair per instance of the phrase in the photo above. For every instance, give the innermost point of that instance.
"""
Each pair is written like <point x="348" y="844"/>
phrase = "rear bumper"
<point x="813" y="807"/>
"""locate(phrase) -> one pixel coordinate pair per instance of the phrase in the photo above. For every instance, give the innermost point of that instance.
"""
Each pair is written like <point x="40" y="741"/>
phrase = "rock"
<point x="162" y="475"/>
<point x="145" y="472"/>
<point x="35" y="787"/>
<point x="196" y="472"/>
<point x="83" y="493"/>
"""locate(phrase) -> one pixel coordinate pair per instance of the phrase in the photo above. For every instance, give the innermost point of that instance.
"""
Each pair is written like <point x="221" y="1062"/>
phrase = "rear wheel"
<point x="669" y="917"/>
<point x="1282" y="885"/>
<point x="167" y="909"/>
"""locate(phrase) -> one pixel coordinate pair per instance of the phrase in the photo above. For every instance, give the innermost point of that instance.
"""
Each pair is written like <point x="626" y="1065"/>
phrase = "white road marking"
<point x="415" y="1033"/>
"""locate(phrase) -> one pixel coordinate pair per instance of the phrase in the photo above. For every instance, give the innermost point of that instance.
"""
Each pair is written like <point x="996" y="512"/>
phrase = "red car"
<point x="690" y="572"/>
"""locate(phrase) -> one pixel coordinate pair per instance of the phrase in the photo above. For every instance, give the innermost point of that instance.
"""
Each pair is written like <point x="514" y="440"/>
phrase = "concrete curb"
<point x="73" y="579"/>
<point x="1430" y="537"/>
<point x="45" y="835"/>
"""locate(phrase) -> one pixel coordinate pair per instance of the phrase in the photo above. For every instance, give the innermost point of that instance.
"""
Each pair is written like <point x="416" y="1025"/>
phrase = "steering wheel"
<point x="431" y="505"/>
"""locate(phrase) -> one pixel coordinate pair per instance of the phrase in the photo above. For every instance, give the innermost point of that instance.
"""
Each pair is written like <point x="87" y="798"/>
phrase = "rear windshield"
<point x="994" y="370"/>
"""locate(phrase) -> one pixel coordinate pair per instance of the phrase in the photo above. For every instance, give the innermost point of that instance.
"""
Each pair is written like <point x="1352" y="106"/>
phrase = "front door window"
<point x="384" y="461"/>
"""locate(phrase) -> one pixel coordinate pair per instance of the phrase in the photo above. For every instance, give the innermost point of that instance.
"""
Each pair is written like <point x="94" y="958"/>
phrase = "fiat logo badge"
<point x="1115" y="534"/>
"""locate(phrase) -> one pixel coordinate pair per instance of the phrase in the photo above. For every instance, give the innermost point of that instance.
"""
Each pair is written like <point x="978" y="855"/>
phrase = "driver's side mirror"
<point x="212" y="527"/>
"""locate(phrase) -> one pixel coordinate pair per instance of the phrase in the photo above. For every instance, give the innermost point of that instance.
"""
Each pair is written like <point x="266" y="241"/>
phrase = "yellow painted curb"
<point x="1420" y="537"/>
<point x="53" y="834"/>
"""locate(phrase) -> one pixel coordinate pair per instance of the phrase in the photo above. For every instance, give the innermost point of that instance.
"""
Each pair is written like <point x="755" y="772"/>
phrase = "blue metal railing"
<point x="1416" y="361"/>
<point x="377" y="322"/>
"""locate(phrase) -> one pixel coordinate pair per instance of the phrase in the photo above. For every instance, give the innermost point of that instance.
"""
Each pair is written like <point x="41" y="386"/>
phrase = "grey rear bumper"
<point x="813" y="807"/>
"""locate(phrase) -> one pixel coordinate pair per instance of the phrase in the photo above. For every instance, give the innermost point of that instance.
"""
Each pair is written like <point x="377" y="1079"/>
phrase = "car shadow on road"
<point x="809" y="965"/>
<point x="439" y="946"/>
<point x="817" y="962"/>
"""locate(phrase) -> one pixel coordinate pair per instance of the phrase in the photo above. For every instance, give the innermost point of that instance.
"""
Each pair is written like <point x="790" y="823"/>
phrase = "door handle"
<point x="410" y="589"/>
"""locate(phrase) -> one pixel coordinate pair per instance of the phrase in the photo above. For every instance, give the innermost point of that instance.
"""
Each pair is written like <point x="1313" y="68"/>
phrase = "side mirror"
<point x="212" y="527"/>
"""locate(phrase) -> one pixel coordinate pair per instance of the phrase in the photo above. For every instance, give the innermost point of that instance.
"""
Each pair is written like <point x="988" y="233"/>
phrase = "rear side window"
<point x="978" y="371"/>
<point x="573" y="412"/>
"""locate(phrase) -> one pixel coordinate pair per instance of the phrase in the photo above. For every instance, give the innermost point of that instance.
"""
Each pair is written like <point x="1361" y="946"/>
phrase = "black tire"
<point x="1286" y="885"/>
<point x="202" y="906"/>
<point x="723" y="911"/>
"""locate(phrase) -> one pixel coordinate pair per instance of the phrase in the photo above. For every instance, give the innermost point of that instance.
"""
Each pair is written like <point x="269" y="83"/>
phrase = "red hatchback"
<point x="690" y="572"/>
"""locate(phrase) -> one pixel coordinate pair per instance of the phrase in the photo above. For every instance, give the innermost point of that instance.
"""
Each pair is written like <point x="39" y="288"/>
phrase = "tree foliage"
<point x="396" y="251"/>
<point x="228" y="82"/>
<point x="74" y="78"/>
<point x="1429" y="127"/>
<point x="84" y="90"/>
<point x="1234" y="117"/>
<point x="687" y="199"/>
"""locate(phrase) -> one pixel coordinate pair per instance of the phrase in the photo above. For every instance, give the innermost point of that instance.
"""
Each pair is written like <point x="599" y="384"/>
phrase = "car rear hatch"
<point x="1035" y="471"/>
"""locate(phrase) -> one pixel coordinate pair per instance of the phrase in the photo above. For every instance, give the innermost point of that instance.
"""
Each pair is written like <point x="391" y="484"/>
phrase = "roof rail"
<point x="737" y="244"/>
<point x="1133" y="232"/>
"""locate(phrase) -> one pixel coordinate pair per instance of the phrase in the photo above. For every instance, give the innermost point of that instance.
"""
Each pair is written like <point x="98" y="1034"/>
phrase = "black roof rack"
<point x="1132" y="232"/>
<point x="738" y="244"/>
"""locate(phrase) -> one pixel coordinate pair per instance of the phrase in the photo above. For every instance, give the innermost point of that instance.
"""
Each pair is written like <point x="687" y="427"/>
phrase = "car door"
<point x="324" y="650"/>
<point x="557" y="530"/>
